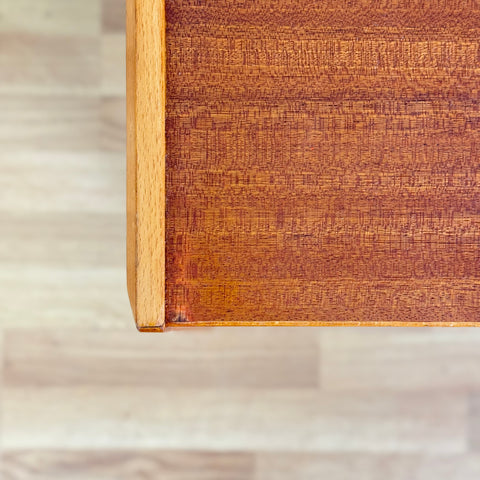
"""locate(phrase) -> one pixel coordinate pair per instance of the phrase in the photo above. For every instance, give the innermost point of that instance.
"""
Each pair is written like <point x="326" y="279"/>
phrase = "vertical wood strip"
<point x="146" y="79"/>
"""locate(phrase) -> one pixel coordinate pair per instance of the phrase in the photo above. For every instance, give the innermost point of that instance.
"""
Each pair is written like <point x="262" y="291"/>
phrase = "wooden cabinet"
<point x="303" y="163"/>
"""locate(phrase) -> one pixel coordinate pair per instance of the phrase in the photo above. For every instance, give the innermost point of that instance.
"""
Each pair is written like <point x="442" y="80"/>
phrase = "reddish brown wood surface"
<point x="322" y="162"/>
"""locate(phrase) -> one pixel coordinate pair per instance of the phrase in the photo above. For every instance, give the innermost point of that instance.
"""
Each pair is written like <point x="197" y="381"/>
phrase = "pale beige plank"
<point x="52" y="123"/>
<point x="126" y="465"/>
<point x="474" y="422"/>
<point x="261" y="358"/>
<point x="113" y="65"/>
<point x="2" y="361"/>
<point x="62" y="182"/>
<point x="71" y="239"/>
<point x="50" y="17"/>
<point x="114" y="124"/>
<point x="400" y="359"/>
<point x="226" y="420"/>
<point x="61" y="297"/>
<point x="42" y="64"/>
<point x="113" y="16"/>
<point x="287" y="466"/>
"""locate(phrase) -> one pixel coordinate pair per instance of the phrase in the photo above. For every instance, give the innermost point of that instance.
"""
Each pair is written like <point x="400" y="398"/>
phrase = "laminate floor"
<point x="84" y="396"/>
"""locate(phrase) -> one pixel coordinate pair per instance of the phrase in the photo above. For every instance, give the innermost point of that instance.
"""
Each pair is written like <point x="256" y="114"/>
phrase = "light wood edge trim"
<point x="293" y="323"/>
<point x="146" y="149"/>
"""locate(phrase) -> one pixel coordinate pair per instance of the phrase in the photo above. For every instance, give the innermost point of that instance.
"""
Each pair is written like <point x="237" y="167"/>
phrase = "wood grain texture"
<point x="66" y="330"/>
<point x="128" y="465"/>
<point x="187" y="465"/>
<point x="146" y="161"/>
<point x="367" y="467"/>
<point x="205" y="358"/>
<point x="322" y="163"/>
<point x="51" y="18"/>
<point x="233" y="419"/>
<point x="435" y="360"/>
<point x="113" y="16"/>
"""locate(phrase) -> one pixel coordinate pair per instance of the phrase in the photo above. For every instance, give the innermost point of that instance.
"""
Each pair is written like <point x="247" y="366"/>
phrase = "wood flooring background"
<point x="84" y="396"/>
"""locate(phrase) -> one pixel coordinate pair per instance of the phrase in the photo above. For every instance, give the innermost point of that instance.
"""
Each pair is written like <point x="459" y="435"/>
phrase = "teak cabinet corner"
<point x="303" y="163"/>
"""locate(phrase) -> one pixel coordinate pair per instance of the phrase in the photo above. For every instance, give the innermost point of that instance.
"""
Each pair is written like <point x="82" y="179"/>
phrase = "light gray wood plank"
<point x="113" y="16"/>
<point x="64" y="297"/>
<point x="232" y="419"/>
<point x="126" y="465"/>
<point x="113" y="65"/>
<point x="400" y="359"/>
<point x="51" y="17"/>
<point x="50" y="123"/>
<point x="113" y="126"/>
<point x="63" y="240"/>
<point x="40" y="64"/>
<point x="61" y="182"/>
<point x="209" y="358"/>
<point x="286" y="466"/>
<point x="474" y="422"/>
